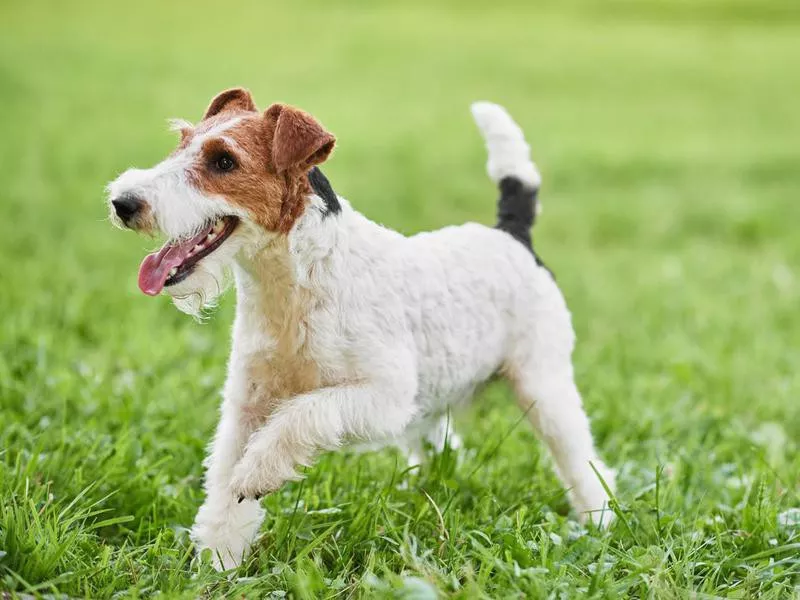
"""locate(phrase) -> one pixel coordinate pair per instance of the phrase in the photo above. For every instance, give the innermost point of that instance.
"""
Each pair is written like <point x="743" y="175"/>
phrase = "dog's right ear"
<point x="234" y="99"/>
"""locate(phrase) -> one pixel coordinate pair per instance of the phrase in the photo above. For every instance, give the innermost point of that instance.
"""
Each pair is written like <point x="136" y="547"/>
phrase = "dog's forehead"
<point x="226" y="120"/>
<point x="238" y="125"/>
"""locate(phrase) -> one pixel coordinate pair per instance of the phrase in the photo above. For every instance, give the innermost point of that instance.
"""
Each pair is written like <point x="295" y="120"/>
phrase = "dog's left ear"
<point x="298" y="140"/>
<point x="233" y="99"/>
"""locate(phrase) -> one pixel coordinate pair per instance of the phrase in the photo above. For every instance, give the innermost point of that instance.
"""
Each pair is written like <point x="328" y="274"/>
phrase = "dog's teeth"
<point x="173" y="271"/>
<point x="197" y="248"/>
<point x="211" y="237"/>
<point x="218" y="226"/>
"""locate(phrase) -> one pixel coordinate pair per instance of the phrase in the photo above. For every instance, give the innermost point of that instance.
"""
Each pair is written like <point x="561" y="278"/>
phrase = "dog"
<point x="346" y="330"/>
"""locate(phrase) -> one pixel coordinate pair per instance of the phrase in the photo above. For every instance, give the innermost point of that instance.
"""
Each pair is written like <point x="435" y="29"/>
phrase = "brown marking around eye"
<point x="274" y="196"/>
<point x="251" y="184"/>
<point x="215" y="148"/>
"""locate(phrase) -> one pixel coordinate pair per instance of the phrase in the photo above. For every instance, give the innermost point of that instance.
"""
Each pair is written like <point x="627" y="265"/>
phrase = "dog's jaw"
<point x="209" y="278"/>
<point x="176" y="260"/>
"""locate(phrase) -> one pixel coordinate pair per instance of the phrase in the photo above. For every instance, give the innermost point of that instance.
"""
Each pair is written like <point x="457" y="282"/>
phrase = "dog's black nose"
<point x="127" y="206"/>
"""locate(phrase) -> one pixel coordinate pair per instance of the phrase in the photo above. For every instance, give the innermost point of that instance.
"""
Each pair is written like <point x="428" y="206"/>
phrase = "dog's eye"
<point x="225" y="162"/>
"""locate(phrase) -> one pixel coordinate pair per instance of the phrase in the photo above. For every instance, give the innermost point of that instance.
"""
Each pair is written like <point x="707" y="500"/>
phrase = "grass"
<point x="667" y="133"/>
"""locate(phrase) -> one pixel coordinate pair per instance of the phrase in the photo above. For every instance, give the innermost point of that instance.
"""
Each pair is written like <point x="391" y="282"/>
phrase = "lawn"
<point x="668" y="134"/>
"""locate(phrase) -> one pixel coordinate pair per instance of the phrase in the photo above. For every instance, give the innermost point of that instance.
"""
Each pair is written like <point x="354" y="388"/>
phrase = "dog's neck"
<point x="277" y="285"/>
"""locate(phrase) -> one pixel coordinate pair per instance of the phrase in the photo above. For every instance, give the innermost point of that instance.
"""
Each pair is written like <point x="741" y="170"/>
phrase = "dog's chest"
<point x="278" y="359"/>
<point x="272" y="379"/>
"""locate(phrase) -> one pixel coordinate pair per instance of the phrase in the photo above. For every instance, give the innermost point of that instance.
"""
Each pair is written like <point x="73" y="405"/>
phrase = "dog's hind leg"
<point x="541" y="371"/>
<point x="436" y="431"/>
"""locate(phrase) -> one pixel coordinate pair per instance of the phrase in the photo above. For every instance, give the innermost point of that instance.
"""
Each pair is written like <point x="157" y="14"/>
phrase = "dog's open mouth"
<point x="176" y="260"/>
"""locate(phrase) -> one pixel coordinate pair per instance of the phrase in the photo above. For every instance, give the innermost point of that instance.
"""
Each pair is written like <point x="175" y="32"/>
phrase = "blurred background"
<point x="668" y="136"/>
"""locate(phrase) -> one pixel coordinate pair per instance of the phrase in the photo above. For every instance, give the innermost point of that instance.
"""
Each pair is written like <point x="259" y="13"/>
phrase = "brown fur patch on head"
<point x="272" y="154"/>
<point x="234" y="99"/>
<point x="250" y="184"/>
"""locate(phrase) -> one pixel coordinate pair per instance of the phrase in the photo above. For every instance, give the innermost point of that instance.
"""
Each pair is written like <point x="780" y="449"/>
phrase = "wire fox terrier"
<point x="346" y="330"/>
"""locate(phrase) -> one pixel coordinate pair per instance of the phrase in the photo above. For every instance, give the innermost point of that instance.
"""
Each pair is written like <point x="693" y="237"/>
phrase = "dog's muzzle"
<point x="129" y="208"/>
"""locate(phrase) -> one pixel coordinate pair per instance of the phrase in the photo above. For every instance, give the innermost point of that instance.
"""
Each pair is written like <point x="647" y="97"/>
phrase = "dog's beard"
<point x="213" y="275"/>
<point x="200" y="291"/>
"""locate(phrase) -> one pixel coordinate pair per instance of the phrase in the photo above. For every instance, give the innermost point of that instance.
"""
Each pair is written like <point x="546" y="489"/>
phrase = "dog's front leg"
<point x="315" y="421"/>
<point x="223" y="525"/>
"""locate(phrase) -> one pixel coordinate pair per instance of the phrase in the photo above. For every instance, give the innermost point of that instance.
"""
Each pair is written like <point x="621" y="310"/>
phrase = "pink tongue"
<point x="155" y="268"/>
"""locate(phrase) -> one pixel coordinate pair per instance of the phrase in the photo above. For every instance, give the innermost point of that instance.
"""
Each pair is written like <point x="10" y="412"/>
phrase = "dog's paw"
<point x="226" y="530"/>
<point x="245" y="486"/>
<point x="253" y="481"/>
<point x="601" y="516"/>
<point x="594" y="504"/>
<point x="223" y="559"/>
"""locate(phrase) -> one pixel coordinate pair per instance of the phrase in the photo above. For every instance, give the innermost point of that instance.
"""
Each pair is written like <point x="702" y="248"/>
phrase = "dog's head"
<point x="237" y="180"/>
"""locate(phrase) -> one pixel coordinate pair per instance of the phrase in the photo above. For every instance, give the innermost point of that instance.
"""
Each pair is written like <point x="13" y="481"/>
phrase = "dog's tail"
<point x="511" y="168"/>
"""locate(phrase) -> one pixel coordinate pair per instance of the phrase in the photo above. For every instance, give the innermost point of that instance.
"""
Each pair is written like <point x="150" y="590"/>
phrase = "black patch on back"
<point x="322" y="188"/>
<point x="516" y="213"/>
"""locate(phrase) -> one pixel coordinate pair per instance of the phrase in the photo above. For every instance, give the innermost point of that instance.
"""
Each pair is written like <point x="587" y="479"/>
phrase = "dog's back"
<point x="468" y="296"/>
<point x="474" y="289"/>
<point x="456" y="306"/>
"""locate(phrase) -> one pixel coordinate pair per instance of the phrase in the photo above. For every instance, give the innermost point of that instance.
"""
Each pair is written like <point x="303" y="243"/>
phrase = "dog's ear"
<point x="298" y="140"/>
<point x="233" y="99"/>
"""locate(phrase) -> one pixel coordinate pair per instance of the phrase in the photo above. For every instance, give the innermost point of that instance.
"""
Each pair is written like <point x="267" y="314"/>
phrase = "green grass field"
<point x="668" y="134"/>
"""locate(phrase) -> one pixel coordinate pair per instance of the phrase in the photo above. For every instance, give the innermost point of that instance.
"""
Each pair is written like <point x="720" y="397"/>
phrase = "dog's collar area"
<point x="322" y="188"/>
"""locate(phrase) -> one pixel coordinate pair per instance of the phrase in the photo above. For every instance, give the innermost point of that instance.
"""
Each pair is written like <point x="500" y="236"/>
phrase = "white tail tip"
<point x="509" y="153"/>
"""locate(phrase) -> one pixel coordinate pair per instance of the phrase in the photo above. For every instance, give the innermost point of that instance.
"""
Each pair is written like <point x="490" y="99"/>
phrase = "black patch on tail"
<point x="516" y="213"/>
<point x="322" y="188"/>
